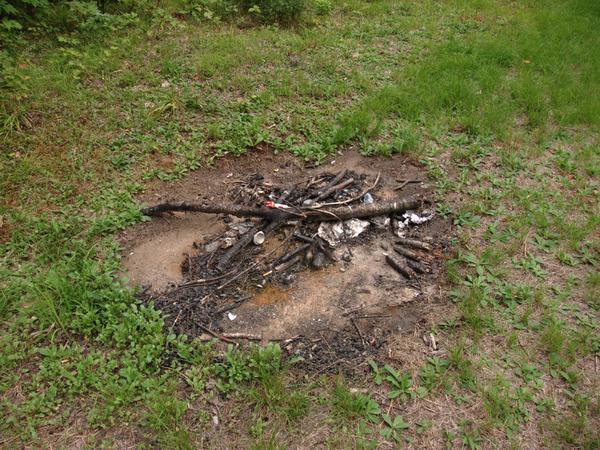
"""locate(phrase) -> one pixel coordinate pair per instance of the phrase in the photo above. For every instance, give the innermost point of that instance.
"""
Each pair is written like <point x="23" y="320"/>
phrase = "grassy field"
<point x="499" y="100"/>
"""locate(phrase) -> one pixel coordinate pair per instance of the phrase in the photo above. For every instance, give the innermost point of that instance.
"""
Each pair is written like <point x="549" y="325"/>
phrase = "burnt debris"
<point x="276" y="231"/>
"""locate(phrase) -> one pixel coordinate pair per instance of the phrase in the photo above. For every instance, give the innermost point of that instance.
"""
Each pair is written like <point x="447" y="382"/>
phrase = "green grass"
<point x="494" y="99"/>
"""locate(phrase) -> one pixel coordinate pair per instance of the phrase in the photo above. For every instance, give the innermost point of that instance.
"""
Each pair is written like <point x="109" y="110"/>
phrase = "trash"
<point x="259" y="238"/>
<point x="272" y="205"/>
<point x="367" y="198"/>
<point x="340" y="231"/>
<point x="399" y="226"/>
<point x="415" y="218"/>
<point x="228" y="241"/>
<point x="433" y="342"/>
<point x="231" y="316"/>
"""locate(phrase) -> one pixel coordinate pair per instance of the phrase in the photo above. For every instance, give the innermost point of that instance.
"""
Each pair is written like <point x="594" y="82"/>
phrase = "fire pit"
<point x="329" y="264"/>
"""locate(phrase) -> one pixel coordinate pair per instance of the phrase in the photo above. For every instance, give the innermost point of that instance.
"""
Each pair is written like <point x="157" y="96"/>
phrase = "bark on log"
<point x="400" y="267"/>
<point x="407" y="253"/>
<point x="414" y="243"/>
<point x="417" y="267"/>
<point x="315" y="215"/>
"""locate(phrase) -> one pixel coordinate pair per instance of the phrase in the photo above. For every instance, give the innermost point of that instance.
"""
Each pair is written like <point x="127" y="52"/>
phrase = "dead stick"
<point x="243" y="242"/>
<point x="400" y="267"/>
<point x="287" y="340"/>
<point x="285" y="266"/>
<point x="350" y="200"/>
<point x="234" y="210"/>
<point x="246" y="270"/>
<point x="233" y="306"/>
<point x="407" y="253"/>
<point x="293" y="253"/>
<point x="333" y="182"/>
<point x="404" y="183"/>
<point x="416" y="266"/>
<point x="337" y="178"/>
<point x="203" y="281"/>
<point x="314" y="181"/>
<point x="414" y="243"/>
<point x="303" y="238"/>
<point x="362" y="339"/>
<point x="313" y="215"/>
<point x="364" y="210"/>
<point x="214" y="334"/>
<point x="373" y="316"/>
<point x="250" y="337"/>
<point x="332" y="189"/>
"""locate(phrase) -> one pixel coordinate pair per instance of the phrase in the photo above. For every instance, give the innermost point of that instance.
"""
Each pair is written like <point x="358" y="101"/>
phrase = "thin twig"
<point x="373" y="316"/>
<point x="404" y="183"/>
<point x="249" y="337"/>
<point x="233" y="306"/>
<point x="214" y="334"/>
<point x="203" y="281"/>
<point x="362" y="339"/>
<point x="287" y="340"/>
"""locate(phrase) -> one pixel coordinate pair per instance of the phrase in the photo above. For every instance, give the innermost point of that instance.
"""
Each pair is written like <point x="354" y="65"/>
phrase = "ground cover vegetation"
<point x="497" y="99"/>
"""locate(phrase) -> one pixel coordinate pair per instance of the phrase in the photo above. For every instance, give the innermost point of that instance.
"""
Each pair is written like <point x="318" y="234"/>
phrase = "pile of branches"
<point x="255" y="211"/>
<point x="326" y="198"/>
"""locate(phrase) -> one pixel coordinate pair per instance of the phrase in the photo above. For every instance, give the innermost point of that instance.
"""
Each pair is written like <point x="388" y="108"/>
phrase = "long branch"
<point x="323" y="214"/>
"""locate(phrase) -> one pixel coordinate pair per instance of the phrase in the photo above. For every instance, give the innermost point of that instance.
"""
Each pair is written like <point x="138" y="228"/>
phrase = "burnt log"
<point x="276" y="214"/>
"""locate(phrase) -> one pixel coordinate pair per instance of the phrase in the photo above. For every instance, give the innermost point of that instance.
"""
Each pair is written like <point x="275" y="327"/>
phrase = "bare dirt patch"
<point x="334" y="304"/>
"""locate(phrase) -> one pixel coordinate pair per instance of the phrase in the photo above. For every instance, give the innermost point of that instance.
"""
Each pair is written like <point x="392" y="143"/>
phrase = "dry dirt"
<point x="342" y="312"/>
